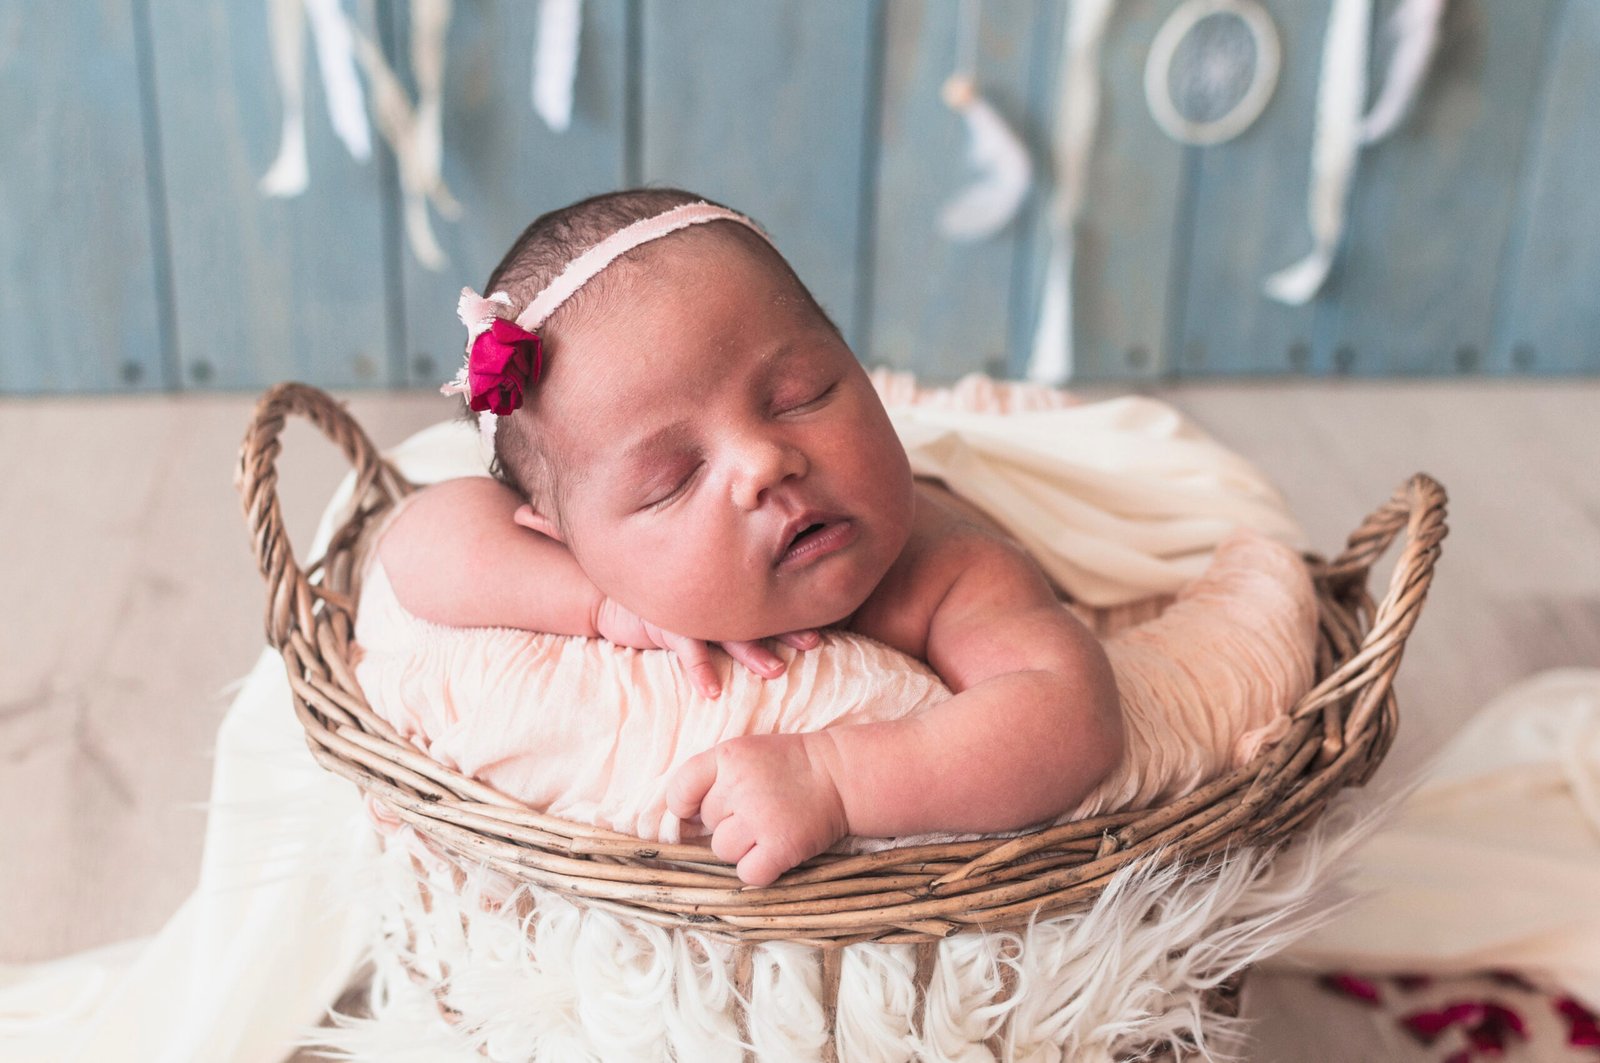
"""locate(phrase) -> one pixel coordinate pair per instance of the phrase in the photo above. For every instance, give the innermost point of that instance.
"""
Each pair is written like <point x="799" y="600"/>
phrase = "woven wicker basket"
<point x="1341" y="730"/>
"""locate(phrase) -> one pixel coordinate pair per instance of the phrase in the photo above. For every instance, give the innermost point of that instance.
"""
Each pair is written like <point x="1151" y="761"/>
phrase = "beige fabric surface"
<point x="1117" y="500"/>
<point x="1494" y="861"/>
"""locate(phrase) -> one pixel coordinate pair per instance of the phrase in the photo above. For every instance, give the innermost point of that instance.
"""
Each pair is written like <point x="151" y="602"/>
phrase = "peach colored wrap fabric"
<point x="591" y="732"/>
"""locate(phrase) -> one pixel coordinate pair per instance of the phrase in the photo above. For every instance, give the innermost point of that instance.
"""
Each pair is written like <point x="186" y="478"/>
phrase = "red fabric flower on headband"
<point x="505" y="361"/>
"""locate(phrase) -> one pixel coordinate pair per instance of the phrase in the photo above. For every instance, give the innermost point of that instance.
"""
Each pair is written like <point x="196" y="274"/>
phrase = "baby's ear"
<point x="528" y="517"/>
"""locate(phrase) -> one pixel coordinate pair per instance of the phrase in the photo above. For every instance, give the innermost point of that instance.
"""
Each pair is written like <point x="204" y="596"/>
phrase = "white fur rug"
<point x="1120" y="981"/>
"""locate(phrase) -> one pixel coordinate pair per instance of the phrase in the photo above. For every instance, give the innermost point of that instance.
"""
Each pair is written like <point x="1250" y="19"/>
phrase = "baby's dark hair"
<point x="521" y="461"/>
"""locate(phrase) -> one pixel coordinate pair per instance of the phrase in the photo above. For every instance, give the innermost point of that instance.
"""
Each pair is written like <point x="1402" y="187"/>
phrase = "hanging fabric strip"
<point x="1077" y="114"/>
<point x="336" y="61"/>
<point x="1334" y="149"/>
<point x="430" y="19"/>
<point x="1004" y="170"/>
<point x="286" y="27"/>
<point x="347" y="110"/>
<point x="1052" y="339"/>
<point x="1414" y="26"/>
<point x="555" y="61"/>
<point x="402" y="126"/>
<point x="1005" y="173"/>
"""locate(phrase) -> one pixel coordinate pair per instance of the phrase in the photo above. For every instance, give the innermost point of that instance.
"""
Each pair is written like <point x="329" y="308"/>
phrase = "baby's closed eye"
<point x="800" y="398"/>
<point x="670" y="486"/>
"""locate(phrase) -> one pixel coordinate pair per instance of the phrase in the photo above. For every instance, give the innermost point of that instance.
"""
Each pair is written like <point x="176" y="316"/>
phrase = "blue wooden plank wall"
<point x="136" y="253"/>
<point x="263" y="289"/>
<point x="80" y="283"/>
<point x="1246" y="217"/>
<point x="943" y="308"/>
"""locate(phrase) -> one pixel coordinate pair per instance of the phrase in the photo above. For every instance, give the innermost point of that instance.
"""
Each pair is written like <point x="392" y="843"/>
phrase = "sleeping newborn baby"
<point x="688" y="455"/>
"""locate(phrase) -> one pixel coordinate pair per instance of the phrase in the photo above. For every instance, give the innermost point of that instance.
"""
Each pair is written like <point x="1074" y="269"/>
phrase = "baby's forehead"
<point x="603" y="367"/>
<point x="717" y="249"/>
<point x="744" y="312"/>
<point x="649" y="400"/>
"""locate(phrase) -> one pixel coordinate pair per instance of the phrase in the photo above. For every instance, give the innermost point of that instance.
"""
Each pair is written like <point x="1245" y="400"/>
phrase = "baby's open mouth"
<point x="817" y="537"/>
<point x="809" y="529"/>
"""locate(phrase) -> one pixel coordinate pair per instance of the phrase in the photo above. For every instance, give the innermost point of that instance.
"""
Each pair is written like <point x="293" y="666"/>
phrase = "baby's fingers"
<point x="756" y="657"/>
<point x="695" y="656"/>
<point x="687" y="788"/>
<point x="732" y="839"/>
<point x="802" y="640"/>
<point x="760" y="866"/>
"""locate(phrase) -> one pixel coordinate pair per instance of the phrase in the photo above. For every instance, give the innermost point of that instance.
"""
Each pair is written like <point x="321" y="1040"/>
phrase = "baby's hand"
<point x="618" y="624"/>
<point x="769" y="801"/>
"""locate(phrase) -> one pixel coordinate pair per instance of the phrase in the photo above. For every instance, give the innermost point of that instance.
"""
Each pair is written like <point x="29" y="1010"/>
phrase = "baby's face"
<point x="729" y="470"/>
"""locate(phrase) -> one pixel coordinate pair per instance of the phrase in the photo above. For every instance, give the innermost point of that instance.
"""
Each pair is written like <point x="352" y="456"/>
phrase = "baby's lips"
<point x="795" y="525"/>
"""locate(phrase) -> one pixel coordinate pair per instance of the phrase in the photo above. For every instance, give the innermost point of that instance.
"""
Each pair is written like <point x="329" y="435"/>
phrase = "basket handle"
<point x="290" y="592"/>
<point x="1418" y="507"/>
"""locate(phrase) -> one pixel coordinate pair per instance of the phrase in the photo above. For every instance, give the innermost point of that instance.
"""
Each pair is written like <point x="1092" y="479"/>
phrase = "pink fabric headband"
<point x="504" y="352"/>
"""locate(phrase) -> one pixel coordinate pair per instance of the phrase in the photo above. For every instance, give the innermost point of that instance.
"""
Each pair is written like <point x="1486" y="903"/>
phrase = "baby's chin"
<point x="768" y="625"/>
<point x="821" y="598"/>
<point x="767" y="620"/>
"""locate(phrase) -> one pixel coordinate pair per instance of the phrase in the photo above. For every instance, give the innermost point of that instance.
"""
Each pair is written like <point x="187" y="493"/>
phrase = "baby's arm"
<point x="455" y="556"/>
<point x="1034" y="726"/>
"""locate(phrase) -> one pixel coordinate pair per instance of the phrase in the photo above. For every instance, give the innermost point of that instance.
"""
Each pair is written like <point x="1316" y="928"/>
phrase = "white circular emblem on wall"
<point x="1212" y="68"/>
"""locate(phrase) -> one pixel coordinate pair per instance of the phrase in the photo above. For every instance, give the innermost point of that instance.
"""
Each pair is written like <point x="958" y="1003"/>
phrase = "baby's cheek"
<point x="701" y="596"/>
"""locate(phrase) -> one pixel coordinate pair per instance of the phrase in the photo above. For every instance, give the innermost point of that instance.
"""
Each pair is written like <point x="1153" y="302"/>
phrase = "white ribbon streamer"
<point x="555" y="61"/>
<point x="414" y="133"/>
<point x="1333" y="151"/>
<point x="430" y="19"/>
<point x="1004" y="170"/>
<point x="286" y="24"/>
<point x="336" y="61"/>
<point x="1415" y="29"/>
<point x="1077" y="115"/>
<point x="289" y="174"/>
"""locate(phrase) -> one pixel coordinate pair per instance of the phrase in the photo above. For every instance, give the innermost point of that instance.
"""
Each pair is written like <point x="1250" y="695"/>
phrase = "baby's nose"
<point x="763" y="467"/>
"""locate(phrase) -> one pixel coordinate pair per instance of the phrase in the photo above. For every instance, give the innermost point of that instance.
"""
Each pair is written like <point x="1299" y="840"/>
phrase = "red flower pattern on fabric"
<point x="1583" y="1028"/>
<point x="506" y="360"/>
<point x="1485" y="1023"/>
<point x="1352" y="986"/>
<point x="1489" y="1027"/>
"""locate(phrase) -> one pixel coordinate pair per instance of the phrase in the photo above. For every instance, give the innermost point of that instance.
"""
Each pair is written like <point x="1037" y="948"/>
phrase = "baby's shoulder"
<point x="947" y="548"/>
<point x="956" y="536"/>
<point x="445" y="510"/>
<point x="961" y="557"/>
<point x="443" y="526"/>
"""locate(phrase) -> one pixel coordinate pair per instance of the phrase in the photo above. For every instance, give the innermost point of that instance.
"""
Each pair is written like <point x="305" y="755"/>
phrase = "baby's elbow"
<point x="1105" y="738"/>
<point x="1091" y="735"/>
<point x="1113" y="732"/>
<point x="1087" y="670"/>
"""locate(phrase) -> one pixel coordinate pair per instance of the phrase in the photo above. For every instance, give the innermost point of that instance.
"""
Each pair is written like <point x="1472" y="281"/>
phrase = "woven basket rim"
<point x="1340" y="731"/>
